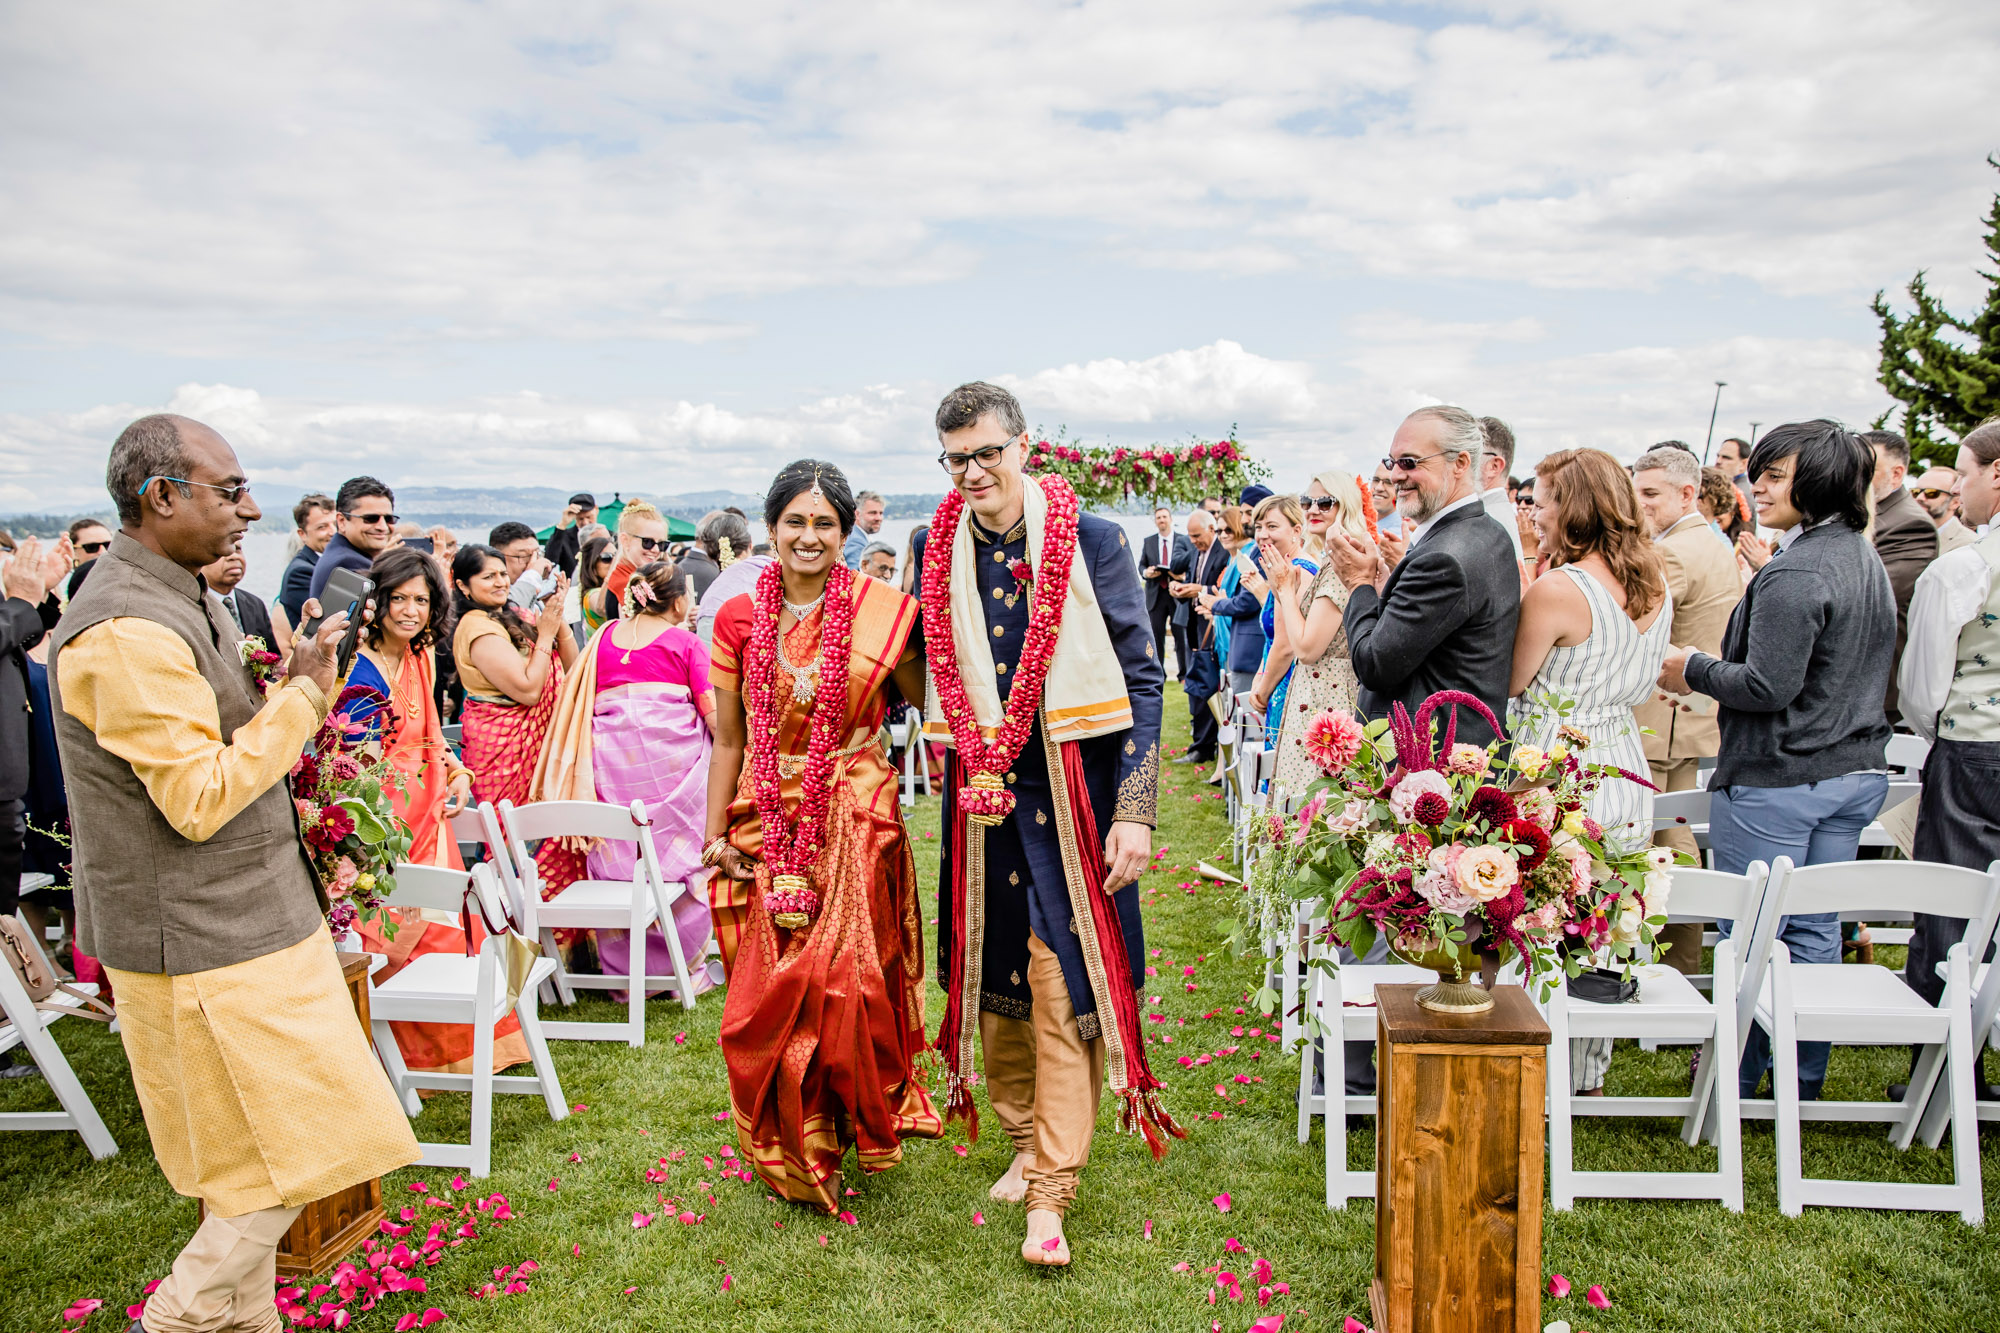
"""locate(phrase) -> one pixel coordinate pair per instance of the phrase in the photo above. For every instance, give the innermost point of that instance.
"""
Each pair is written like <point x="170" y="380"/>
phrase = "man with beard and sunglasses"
<point x="1444" y="617"/>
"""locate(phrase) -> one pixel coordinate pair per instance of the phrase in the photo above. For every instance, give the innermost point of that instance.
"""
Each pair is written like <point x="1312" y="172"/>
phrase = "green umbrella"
<point x="678" y="529"/>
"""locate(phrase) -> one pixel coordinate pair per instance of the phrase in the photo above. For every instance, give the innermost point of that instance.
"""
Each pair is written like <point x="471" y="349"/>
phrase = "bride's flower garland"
<point x="791" y="846"/>
<point x="985" y="798"/>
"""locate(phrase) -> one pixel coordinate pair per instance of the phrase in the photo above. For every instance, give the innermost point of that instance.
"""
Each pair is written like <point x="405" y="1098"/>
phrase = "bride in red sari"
<point x="815" y="899"/>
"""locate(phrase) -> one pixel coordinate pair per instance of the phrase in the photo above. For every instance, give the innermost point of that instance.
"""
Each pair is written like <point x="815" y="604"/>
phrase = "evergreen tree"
<point x="1947" y="385"/>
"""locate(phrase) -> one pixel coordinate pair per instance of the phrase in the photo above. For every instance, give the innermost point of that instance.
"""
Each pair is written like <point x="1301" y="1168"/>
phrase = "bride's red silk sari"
<point x="821" y="1023"/>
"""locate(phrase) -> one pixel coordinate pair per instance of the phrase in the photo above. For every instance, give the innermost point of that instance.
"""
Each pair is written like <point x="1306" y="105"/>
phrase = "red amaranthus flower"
<point x="985" y="760"/>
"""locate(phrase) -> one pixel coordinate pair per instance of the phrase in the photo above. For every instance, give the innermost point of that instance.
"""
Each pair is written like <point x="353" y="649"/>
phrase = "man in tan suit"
<point x="1679" y="731"/>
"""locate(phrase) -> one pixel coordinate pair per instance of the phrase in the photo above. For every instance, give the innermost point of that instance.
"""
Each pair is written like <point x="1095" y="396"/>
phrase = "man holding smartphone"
<point x="364" y="527"/>
<point x="565" y="541"/>
<point x="259" y="1088"/>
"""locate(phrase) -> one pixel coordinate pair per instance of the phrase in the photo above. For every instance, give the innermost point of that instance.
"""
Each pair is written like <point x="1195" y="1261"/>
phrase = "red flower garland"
<point x="984" y="797"/>
<point x="791" y="846"/>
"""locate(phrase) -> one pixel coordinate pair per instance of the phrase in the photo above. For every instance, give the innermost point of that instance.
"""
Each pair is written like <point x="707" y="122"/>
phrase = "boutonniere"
<point x="1024" y="581"/>
<point x="264" y="665"/>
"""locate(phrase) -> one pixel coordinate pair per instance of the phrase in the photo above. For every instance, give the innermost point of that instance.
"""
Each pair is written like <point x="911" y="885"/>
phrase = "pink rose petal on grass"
<point x="1558" y="1285"/>
<point x="642" y="1220"/>
<point x="959" y="1148"/>
<point x="1221" y="1202"/>
<point x="1597" y="1299"/>
<point x="727" y="1283"/>
<point x="579" y="1108"/>
<point x="1182" y="1267"/>
<point x="822" y="1240"/>
<point x="1232" y="1246"/>
<point x="1149" y="1228"/>
<point x="979" y="1219"/>
<point x="1271" y="1323"/>
<point x="83" y="1309"/>
<point x="576" y="1251"/>
<point x="850" y="1219"/>
<point x="1353" y="1325"/>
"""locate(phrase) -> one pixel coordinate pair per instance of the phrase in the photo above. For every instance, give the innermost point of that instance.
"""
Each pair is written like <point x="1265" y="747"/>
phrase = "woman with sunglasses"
<point x="642" y="539"/>
<point x="1308" y="613"/>
<point x="1280" y="526"/>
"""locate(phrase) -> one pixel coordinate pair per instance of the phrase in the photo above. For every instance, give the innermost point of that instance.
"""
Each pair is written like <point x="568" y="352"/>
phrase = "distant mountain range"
<point x="483" y="506"/>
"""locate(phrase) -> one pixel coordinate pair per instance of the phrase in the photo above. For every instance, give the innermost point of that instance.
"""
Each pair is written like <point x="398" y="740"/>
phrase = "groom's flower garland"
<point x="791" y="846"/>
<point x="985" y="798"/>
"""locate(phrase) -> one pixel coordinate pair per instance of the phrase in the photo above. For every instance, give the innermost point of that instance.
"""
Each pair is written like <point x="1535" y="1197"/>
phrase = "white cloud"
<point x="1218" y="383"/>
<point x="1292" y="418"/>
<point x="265" y="176"/>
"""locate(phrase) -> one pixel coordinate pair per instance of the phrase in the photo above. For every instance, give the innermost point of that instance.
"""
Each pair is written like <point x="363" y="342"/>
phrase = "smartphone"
<point x="424" y="544"/>
<point x="346" y="590"/>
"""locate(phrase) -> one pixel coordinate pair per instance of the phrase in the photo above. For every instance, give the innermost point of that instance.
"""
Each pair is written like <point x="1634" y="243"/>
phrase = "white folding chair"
<point x="1667" y="1006"/>
<point x="449" y="987"/>
<point x="1684" y="809"/>
<point x="1985" y="1028"/>
<point x="1868" y="1005"/>
<point x="1340" y="1008"/>
<point x="909" y="734"/>
<point x="28" y="1026"/>
<point x="590" y="904"/>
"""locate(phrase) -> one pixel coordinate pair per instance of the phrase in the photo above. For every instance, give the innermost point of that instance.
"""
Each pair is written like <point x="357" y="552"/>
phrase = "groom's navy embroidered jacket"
<point x="1025" y="886"/>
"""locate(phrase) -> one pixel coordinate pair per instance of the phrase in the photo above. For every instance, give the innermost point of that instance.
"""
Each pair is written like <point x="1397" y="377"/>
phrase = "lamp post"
<point x="1713" y="409"/>
<point x="1753" y="433"/>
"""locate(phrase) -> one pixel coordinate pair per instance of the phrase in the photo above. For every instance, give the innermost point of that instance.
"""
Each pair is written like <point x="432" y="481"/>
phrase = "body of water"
<point x="266" y="553"/>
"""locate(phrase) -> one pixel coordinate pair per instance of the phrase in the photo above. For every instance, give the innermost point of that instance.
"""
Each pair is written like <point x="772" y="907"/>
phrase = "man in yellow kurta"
<point x="259" y="1088"/>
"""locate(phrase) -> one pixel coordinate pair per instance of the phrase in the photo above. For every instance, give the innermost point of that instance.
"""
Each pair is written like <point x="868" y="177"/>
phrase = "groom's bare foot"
<point x="1045" y="1244"/>
<point x="1013" y="1187"/>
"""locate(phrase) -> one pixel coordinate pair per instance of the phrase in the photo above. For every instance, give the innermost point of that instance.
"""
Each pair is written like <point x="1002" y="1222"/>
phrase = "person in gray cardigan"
<point x="1804" y="667"/>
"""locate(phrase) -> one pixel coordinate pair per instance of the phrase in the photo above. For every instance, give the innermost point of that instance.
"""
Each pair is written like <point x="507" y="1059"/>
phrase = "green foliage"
<point x="1943" y="367"/>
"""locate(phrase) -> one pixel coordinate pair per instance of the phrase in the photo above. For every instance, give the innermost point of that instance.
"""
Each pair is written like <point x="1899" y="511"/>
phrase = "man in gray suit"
<point x="1905" y="537"/>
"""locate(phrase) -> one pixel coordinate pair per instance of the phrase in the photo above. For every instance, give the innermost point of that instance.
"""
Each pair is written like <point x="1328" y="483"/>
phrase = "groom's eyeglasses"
<point x="1320" y="502"/>
<point x="986" y="458"/>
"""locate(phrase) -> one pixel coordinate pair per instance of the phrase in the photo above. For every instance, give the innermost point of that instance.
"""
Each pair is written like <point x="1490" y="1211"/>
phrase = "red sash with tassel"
<point x="1133" y="1079"/>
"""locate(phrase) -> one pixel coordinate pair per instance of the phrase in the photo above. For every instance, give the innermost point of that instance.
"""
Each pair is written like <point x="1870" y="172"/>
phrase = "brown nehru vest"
<point x="148" y="899"/>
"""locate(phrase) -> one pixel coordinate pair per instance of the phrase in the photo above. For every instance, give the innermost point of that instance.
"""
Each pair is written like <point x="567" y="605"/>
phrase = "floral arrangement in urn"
<point x="347" y="816"/>
<point x="1457" y="854"/>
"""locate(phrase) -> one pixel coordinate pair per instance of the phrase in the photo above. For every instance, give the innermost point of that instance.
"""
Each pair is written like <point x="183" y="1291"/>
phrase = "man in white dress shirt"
<point x="1496" y="460"/>
<point x="1950" y="684"/>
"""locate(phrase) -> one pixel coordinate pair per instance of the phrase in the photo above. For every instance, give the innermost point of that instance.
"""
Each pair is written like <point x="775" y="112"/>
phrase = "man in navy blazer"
<point x="1444" y="617"/>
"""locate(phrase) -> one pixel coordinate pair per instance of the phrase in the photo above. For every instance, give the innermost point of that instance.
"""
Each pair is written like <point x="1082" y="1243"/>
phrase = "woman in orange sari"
<point x="397" y="662"/>
<point x="815" y="901"/>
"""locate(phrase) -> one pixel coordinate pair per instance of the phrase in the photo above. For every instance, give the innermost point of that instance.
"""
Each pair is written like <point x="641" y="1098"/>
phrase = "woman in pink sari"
<point x="633" y="725"/>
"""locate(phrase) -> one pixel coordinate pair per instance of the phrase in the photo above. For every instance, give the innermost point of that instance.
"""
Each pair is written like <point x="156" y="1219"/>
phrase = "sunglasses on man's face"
<point x="1409" y="462"/>
<point x="1320" y="502"/>
<point x="93" y="548"/>
<point x="1928" y="493"/>
<point x="368" y="520"/>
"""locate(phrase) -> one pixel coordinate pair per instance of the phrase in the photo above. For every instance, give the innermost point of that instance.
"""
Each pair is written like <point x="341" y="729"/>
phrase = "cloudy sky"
<point x="669" y="247"/>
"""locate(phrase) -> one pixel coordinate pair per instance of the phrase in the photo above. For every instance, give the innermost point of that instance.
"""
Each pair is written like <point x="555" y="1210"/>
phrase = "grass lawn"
<point x="915" y="1257"/>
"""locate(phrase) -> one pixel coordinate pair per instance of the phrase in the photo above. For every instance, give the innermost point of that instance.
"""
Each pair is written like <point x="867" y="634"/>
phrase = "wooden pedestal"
<point x="336" y="1225"/>
<point x="1458" y="1166"/>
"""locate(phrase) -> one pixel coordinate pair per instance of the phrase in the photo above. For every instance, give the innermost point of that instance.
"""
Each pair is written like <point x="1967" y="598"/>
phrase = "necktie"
<point x="234" y="613"/>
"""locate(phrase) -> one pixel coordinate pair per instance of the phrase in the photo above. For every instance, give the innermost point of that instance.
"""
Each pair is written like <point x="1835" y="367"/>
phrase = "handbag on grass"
<point x="17" y="946"/>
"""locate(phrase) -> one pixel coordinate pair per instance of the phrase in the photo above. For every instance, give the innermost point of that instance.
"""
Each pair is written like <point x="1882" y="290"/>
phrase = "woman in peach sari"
<point x="396" y="661"/>
<point x="816" y="901"/>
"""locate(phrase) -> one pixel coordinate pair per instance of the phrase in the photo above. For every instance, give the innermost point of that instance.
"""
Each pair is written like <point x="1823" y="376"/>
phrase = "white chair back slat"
<point x="1711" y="895"/>
<point x="1894" y="887"/>
<point x="580" y="819"/>
<point x="1908" y="752"/>
<point x="437" y="888"/>
<point x="1678" y="809"/>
